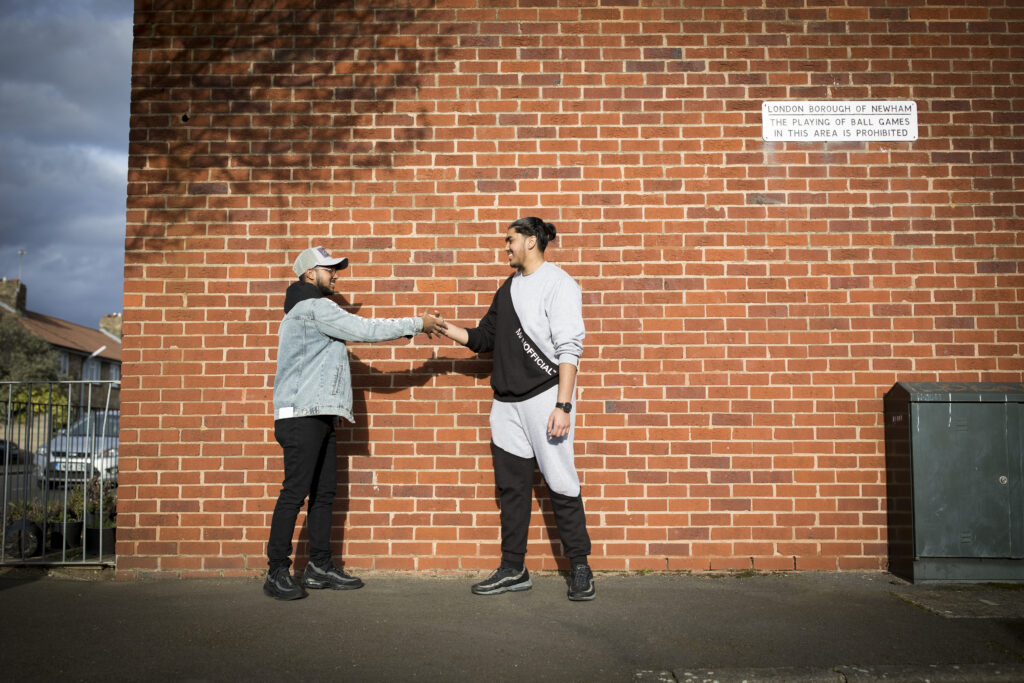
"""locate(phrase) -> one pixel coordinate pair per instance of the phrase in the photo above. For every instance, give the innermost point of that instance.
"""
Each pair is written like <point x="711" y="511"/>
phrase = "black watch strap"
<point x="567" y="407"/>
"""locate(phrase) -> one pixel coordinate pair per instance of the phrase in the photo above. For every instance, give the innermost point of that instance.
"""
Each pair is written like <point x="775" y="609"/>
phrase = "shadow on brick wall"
<point x="259" y="102"/>
<point x="355" y="439"/>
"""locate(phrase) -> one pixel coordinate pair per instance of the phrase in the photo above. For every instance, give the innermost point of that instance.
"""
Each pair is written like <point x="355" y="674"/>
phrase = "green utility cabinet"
<point x="955" y="481"/>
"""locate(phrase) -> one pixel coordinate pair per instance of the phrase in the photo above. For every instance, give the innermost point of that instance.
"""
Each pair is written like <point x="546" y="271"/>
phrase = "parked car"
<point x="86" y="448"/>
<point x="10" y="454"/>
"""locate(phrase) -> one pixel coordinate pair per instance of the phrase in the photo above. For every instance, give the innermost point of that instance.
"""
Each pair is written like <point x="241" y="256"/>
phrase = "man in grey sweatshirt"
<point x="535" y="328"/>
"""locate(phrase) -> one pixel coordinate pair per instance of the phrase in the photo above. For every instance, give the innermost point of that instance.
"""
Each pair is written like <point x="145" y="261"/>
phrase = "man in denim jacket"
<point x="312" y="389"/>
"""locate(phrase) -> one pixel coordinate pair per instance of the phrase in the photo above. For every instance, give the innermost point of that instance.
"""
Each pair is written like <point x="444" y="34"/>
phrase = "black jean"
<point x="514" y="478"/>
<point x="310" y="468"/>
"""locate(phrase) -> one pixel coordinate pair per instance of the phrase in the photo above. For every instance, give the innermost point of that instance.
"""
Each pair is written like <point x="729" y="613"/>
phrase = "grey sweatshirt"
<point x="535" y="323"/>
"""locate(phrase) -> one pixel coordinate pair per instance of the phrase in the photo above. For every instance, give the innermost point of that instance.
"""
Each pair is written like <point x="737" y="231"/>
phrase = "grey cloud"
<point x="67" y="212"/>
<point x="65" y="77"/>
<point x="45" y="188"/>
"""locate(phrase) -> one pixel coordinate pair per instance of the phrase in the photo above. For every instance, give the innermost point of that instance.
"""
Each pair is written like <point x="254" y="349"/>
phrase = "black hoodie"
<point x="300" y="291"/>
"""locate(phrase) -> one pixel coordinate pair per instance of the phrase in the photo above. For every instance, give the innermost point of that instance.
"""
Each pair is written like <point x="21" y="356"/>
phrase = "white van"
<point x="85" y="449"/>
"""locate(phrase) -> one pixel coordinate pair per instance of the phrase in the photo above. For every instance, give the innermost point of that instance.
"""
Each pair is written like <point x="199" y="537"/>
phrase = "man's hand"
<point x="453" y="332"/>
<point x="559" y="423"/>
<point x="432" y="323"/>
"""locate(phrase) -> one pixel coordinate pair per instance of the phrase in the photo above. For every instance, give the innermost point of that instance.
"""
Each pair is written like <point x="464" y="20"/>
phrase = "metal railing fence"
<point x="58" y="483"/>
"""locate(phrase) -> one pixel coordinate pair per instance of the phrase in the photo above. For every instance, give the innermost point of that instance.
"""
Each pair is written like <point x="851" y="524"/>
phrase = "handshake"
<point x="434" y="323"/>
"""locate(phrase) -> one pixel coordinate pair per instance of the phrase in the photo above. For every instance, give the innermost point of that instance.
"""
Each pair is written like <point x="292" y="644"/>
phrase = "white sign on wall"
<point x="837" y="121"/>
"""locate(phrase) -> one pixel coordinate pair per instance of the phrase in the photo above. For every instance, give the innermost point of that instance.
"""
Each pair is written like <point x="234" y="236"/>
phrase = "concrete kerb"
<point x="983" y="673"/>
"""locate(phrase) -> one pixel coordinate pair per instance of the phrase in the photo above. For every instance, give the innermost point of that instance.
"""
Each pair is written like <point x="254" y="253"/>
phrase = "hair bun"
<point x="549" y="232"/>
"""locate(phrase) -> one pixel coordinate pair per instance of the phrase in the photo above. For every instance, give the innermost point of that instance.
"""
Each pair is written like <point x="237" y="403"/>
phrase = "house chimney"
<point x="12" y="296"/>
<point x="111" y="324"/>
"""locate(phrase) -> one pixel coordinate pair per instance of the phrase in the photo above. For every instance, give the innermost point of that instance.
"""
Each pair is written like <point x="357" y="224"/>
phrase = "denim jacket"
<point x="313" y="376"/>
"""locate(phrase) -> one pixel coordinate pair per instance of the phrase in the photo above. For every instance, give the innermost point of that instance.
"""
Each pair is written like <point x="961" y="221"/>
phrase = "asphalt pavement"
<point x="79" y="626"/>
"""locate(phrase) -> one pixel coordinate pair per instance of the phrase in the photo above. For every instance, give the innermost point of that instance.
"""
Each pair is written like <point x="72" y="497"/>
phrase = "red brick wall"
<point x="747" y="303"/>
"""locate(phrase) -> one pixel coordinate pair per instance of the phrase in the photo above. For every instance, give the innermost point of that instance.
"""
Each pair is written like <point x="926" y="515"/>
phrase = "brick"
<point x="747" y="302"/>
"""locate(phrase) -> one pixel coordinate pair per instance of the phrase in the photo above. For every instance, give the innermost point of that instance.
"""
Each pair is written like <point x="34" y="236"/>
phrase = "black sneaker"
<point x="332" y="577"/>
<point x="504" y="579"/>
<point x="581" y="583"/>
<point x="280" y="585"/>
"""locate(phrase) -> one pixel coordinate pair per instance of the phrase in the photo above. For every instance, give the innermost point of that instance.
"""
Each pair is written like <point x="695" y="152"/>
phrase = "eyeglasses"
<point x="329" y="269"/>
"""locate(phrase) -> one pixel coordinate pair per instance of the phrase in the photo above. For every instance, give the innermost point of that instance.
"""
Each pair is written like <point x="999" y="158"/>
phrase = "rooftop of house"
<point x="104" y="342"/>
<point x="61" y="333"/>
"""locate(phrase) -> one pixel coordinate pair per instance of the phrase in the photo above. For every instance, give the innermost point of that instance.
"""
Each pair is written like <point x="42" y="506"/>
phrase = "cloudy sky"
<point x="65" y="81"/>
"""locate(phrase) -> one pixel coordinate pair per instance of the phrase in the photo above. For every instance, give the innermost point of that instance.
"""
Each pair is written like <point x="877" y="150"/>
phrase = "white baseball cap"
<point x="317" y="256"/>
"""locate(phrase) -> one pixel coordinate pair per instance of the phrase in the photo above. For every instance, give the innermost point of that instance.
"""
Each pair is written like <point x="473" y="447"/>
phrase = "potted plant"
<point x="100" y="516"/>
<point x="75" y="516"/>
<point x="23" y="536"/>
<point x="63" y="527"/>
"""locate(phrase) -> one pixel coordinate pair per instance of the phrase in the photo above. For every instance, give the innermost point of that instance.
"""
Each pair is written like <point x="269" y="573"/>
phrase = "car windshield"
<point x="103" y="424"/>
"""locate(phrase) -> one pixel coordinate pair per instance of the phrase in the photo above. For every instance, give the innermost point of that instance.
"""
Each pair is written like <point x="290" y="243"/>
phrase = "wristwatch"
<point x="567" y="407"/>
